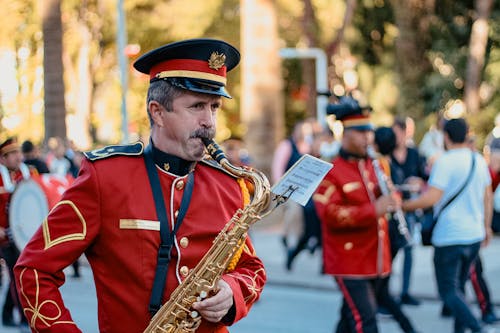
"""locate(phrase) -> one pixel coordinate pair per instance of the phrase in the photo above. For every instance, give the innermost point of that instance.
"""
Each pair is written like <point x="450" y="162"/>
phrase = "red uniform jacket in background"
<point x="109" y="214"/>
<point x="355" y="241"/>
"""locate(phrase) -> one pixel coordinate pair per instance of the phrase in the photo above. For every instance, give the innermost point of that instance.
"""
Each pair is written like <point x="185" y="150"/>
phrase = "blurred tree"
<point x="20" y="58"/>
<point x="262" y="106"/>
<point x="55" y="109"/>
<point x="412" y="19"/>
<point x="477" y="50"/>
<point x="310" y="34"/>
<point x="407" y="57"/>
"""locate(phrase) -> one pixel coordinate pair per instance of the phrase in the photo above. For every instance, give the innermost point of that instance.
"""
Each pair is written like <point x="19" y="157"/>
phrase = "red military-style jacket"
<point x="355" y="242"/>
<point x="109" y="214"/>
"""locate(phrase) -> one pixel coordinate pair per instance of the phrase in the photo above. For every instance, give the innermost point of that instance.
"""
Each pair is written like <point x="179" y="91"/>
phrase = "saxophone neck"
<point x="262" y="188"/>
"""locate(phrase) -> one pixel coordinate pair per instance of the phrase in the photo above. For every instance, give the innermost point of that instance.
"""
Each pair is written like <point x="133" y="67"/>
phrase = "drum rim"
<point x="19" y="238"/>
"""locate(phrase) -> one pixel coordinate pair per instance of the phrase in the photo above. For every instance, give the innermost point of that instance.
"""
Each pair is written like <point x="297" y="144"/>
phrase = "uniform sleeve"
<point x="67" y="231"/>
<point x="337" y="211"/>
<point x="246" y="281"/>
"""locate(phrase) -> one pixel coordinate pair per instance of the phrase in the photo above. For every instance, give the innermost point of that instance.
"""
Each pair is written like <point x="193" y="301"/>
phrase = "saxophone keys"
<point x="203" y="294"/>
<point x="194" y="314"/>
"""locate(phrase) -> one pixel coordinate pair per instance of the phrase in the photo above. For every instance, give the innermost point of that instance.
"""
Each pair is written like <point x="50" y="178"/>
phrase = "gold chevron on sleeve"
<point x="324" y="197"/>
<point x="49" y="242"/>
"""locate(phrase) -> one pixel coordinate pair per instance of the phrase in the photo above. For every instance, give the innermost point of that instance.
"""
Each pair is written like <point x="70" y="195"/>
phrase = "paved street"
<point x="303" y="300"/>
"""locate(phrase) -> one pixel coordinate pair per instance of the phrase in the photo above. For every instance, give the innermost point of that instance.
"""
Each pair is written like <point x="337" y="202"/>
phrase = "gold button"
<point x="176" y="213"/>
<point x="348" y="246"/>
<point x="184" y="242"/>
<point x="179" y="185"/>
<point x="184" y="271"/>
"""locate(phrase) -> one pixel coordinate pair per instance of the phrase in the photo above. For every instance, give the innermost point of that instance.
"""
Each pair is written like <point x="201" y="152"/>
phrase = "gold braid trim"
<point x="246" y="200"/>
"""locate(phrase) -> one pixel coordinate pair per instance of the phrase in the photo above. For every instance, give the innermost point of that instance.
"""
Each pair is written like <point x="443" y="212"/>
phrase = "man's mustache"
<point x="203" y="133"/>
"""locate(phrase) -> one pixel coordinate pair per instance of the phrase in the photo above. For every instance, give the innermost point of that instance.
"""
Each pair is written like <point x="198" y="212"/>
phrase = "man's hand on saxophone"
<point x="214" y="308"/>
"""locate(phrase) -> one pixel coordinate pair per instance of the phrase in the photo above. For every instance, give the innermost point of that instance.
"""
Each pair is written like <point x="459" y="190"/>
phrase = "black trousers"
<point x="480" y="287"/>
<point x="385" y="299"/>
<point x="359" y="305"/>
<point x="10" y="254"/>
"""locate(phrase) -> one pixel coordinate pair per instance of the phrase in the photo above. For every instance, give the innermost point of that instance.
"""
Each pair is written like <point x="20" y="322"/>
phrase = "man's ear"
<point x="155" y="110"/>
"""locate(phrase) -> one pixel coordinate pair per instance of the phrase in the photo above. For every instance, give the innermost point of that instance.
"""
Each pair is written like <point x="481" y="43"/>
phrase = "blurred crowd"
<point x="52" y="169"/>
<point x="408" y="167"/>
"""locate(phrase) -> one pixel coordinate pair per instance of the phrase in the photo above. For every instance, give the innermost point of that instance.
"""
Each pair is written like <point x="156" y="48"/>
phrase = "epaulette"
<point x="212" y="163"/>
<point x="134" y="149"/>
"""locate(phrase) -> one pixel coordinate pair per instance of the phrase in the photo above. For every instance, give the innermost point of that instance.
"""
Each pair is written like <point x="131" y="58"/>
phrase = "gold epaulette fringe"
<point x="246" y="200"/>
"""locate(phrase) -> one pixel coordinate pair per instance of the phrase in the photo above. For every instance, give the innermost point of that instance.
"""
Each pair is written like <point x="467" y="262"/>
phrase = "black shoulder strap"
<point x="167" y="237"/>
<point x="447" y="203"/>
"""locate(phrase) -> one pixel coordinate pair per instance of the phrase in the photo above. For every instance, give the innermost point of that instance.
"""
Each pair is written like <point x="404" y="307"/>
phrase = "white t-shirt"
<point x="462" y="221"/>
<point x="496" y="200"/>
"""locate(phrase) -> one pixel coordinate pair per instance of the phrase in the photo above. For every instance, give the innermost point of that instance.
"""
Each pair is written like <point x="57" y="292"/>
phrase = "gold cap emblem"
<point x="216" y="60"/>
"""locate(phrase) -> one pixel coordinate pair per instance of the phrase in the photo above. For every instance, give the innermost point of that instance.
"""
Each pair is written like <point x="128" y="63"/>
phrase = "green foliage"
<point x="369" y="40"/>
<point x="370" y="21"/>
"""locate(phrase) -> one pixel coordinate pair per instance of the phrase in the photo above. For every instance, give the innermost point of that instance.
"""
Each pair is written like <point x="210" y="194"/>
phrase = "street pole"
<point x="123" y="61"/>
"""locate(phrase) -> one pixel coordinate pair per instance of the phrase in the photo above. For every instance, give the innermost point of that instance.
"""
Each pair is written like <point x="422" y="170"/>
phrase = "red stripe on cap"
<point x="356" y="120"/>
<point x="185" y="65"/>
<point x="8" y="148"/>
<point x="356" y="116"/>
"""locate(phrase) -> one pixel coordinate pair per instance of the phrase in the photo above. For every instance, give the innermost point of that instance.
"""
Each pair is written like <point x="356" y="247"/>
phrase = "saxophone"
<point x="176" y="315"/>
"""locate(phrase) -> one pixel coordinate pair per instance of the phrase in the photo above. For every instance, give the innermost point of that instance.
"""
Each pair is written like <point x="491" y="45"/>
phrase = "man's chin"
<point x="198" y="154"/>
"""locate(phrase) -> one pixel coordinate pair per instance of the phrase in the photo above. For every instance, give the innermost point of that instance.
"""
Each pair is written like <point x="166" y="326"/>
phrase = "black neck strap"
<point x="167" y="237"/>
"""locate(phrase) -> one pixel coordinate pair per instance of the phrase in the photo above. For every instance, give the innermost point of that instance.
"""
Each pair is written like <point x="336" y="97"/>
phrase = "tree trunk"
<point x="412" y="19"/>
<point x="477" y="51"/>
<point x="262" y="100"/>
<point x="334" y="44"/>
<point x="309" y="30"/>
<point x="55" y="110"/>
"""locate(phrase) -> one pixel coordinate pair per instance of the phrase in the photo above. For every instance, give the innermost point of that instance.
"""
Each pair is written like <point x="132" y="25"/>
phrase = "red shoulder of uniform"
<point x="208" y="161"/>
<point x="134" y="149"/>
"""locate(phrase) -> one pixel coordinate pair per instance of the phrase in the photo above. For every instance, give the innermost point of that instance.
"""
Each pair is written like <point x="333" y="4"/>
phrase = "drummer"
<point x="12" y="171"/>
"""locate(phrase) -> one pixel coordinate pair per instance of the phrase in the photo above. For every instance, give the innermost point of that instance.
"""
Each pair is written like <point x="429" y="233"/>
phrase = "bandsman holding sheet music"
<point x="352" y="211"/>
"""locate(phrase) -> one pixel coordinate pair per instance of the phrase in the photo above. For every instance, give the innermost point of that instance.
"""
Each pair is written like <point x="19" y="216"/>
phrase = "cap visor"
<point x="200" y="86"/>
<point x="368" y="127"/>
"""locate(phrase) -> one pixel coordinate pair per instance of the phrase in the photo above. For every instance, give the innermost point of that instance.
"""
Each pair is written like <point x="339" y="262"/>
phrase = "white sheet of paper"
<point x="305" y="175"/>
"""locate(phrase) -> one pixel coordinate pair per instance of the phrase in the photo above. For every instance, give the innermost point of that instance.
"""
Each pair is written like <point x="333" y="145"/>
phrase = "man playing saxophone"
<point x="144" y="217"/>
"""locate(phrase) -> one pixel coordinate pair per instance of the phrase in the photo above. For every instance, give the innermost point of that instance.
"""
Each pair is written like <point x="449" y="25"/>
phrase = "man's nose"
<point x="207" y="118"/>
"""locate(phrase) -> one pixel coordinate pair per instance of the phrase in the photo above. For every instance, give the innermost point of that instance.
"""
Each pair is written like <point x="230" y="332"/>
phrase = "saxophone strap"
<point x="167" y="237"/>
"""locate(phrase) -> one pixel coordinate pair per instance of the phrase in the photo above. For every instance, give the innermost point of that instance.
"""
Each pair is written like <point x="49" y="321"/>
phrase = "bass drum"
<point x="27" y="209"/>
<point x="31" y="202"/>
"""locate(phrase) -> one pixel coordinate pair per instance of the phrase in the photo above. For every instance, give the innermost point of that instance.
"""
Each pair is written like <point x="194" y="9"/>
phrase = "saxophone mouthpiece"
<point x="213" y="149"/>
